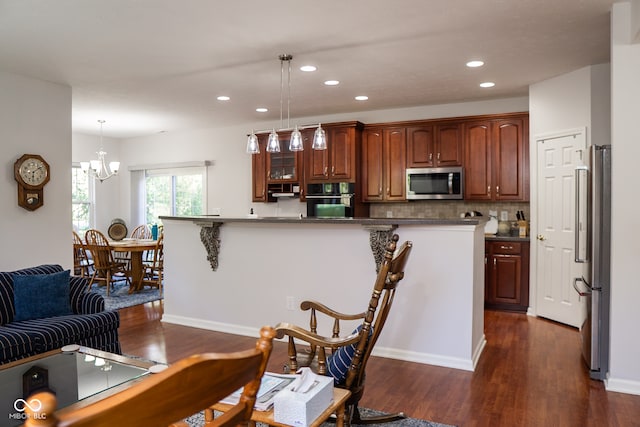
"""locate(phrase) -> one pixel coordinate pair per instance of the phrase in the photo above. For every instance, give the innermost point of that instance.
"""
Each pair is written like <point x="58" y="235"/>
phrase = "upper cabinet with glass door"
<point x="285" y="166"/>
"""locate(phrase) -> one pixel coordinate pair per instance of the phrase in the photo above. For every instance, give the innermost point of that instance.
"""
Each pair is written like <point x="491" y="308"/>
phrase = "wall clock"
<point x="31" y="172"/>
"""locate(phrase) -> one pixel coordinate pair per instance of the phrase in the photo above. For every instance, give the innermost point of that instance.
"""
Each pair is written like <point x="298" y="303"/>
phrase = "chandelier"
<point x="97" y="169"/>
<point x="295" y="143"/>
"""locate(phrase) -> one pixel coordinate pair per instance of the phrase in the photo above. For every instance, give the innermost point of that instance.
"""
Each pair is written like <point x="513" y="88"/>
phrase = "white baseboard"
<point x="425" y="358"/>
<point x="622" y="386"/>
<point x="409" y="356"/>
<point x="478" y="351"/>
<point x="213" y="326"/>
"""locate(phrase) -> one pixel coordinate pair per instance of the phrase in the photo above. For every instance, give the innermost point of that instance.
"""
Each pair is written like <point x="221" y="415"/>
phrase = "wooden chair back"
<point x="105" y="268"/>
<point x="141" y="232"/>
<point x="185" y="388"/>
<point x="81" y="261"/>
<point x="390" y="272"/>
<point x="100" y="249"/>
<point x="154" y="269"/>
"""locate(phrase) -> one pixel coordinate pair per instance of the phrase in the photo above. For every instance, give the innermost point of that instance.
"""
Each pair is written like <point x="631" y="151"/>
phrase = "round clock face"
<point x="33" y="171"/>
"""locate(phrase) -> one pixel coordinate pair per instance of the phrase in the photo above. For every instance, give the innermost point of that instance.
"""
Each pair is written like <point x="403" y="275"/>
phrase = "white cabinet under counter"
<point x="263" y="265"/>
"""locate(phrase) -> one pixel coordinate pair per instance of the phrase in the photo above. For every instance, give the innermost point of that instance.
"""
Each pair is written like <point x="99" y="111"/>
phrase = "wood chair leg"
<point x="93" y="278"/>
<point x="108" y="282"/>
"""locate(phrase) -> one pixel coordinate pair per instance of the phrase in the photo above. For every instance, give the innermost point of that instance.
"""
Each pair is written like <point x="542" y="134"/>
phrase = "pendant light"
<point x="253" y="147"/>
<point x="97" y="168"/>
<point x="319" y="139"/>
<point x="273" y="143"/>
<point x="296" y="140"/>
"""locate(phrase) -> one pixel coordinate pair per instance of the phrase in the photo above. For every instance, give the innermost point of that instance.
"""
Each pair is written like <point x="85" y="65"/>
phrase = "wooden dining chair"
<point x="345" y="356"/>
<point x="106" y="268"/>
<point x="82" y="263"/>
<point x="191" y="385"/>
<point x="154" y="269"/>
<point x="141" y="232"/>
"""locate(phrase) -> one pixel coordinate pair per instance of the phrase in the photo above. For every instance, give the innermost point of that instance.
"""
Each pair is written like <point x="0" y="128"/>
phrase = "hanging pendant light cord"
<point x="289" y="92"/>
<point x="281" y="86"/>
<point x="283" y="58"/>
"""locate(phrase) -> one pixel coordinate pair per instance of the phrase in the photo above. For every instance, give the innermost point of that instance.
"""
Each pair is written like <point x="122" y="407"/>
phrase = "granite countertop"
<point x="361" y="221"/>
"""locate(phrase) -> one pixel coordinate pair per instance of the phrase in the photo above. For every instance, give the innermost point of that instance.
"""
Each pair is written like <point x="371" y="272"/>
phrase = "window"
<point x="176" y="191"/>
<point x="82" y="200"/>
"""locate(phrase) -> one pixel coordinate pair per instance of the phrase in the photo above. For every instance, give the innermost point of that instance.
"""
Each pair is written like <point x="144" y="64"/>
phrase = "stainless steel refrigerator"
<point x="593" y="248"/>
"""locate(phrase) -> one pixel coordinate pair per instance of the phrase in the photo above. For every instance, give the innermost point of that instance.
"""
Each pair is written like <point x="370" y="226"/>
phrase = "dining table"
<point x="137" y="248"/>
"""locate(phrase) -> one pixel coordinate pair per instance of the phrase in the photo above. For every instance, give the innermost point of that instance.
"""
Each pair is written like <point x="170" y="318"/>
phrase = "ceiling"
<point x="149" y="66"/>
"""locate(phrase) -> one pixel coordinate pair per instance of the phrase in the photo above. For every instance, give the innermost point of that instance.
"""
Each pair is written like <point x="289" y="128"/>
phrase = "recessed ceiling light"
<point x="474" y="64"/>
<point x="332" y="82"/>
<point x="223" y="98"/>
<point x="487" y="84"/>
<point x="261" y="110"/>
<point x="308" y="68"/>
<point x="362" y="98"/>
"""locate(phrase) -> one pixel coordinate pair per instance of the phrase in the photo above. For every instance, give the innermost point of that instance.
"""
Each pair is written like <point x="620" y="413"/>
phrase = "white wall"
<point x="438" y="312"/>
<point x="561" y="103"/>
<point x="35" y="118"/>
<point x="625" y="251"/>
<point x="107" y="193"/>
<point x="576" y="100"/>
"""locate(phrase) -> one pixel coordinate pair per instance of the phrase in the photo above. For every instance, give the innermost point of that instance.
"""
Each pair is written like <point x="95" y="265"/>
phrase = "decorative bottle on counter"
<point x="154" y="231"/>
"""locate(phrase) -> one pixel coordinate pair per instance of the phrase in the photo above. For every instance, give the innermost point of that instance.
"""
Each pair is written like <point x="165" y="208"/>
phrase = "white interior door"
<point x="556" y="268"/>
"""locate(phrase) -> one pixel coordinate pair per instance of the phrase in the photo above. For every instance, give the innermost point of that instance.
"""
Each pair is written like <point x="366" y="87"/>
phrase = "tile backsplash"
<point x="445" y="209"/>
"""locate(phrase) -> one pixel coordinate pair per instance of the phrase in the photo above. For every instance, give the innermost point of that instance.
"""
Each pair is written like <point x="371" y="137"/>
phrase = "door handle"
<point x="582" y="293"/>
<point x="577" y="230"/>
<point x="541" y="237"/>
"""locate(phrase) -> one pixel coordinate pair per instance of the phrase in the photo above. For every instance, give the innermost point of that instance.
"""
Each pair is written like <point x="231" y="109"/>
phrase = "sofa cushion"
<point x="55" y="332"/>
<point x="6" y="288"/>
<point x="39" y="296"/>
<point x="15" y="344"/>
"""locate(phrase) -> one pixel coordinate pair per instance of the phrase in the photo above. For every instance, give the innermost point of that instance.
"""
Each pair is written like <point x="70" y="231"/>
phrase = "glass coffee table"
<point x="77" y="375"/>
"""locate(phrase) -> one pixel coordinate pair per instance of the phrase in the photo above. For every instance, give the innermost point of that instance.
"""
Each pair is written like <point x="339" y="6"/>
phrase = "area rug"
<point x="198" y="421"/>
<point x="119" y="296"/>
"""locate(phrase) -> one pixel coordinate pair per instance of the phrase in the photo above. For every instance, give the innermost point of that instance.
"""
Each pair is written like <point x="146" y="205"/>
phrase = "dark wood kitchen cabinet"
<point x="383" y="164"/>
<point x="507" y="275"/>
<point x="277" y="172"/>
<point x="497" y="159"/>
<point x="339" y="162"/>
<point x="437" y="145"/>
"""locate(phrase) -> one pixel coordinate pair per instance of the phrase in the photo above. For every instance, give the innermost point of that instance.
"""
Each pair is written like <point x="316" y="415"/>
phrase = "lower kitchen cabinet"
<point x="507" y="274"/>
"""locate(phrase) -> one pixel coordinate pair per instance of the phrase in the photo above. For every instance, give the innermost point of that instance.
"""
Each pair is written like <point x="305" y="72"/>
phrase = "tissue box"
<point x="302" y="409"/>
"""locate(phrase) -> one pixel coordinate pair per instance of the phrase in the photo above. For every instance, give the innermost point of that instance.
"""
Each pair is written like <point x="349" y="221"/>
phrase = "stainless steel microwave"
<point x="435" y="183"/>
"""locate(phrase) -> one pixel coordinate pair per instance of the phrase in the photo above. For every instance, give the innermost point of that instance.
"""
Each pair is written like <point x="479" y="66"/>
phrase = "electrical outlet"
<point x="389" y="214"/>
<point x="216" y="211"/>
<point x="291" y="303"/>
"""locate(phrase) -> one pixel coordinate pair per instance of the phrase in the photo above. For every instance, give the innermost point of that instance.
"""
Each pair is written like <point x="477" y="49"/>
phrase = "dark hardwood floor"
<point x="530" y="374"/>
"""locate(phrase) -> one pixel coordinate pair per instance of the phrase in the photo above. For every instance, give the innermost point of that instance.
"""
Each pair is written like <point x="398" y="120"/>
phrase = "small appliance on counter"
<point x="491" y="227"/>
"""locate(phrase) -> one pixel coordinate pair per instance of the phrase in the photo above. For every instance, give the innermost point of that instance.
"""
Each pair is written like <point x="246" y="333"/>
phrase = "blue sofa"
<point x="86" y="324"/>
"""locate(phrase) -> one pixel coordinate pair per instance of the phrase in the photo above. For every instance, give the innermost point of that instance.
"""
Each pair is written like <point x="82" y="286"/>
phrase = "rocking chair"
<point x="345" y="357"/>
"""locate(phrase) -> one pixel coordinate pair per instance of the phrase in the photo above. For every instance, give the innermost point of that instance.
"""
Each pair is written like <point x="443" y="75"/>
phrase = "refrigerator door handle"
<point x="582" y="293"/>
<point x="581" y="248"/>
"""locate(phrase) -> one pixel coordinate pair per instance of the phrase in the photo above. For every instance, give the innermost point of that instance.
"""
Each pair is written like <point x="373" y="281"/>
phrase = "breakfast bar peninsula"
<point x="234" y="275"/>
